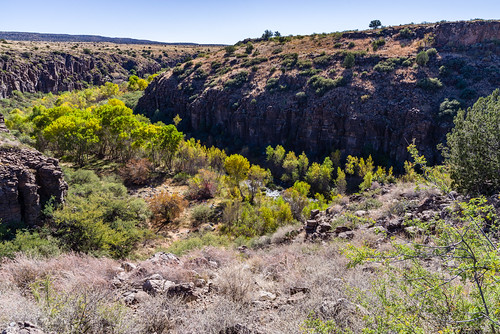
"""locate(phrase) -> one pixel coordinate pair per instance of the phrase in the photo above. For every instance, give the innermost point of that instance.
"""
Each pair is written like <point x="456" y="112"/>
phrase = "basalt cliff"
<point x="361" y="92"/>
<point x="28" y="181"/>
<point x="51" y="67"/>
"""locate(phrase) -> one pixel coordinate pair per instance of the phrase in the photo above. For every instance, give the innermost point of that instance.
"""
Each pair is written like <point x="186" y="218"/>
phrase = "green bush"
<point x="202" y="214"/>
<point x="430" y="84"/>
<point x="422" y="58"/>
<point x="432" y="52"/>
<point x="376" y="44"/>
<point x="349" y="60"/>
<point x="99" y="217"/>
<point x="254" y="61"/>
<point x="181" y="247"/>
<point x="449" y="107"/>
<point x="272" y="83"/>
<point x="289" y="60"/>
<point x="406" y="33"/>
<point x="230" y="49"/>
<point x="321" y="84"/>
<point x="473" y="148"/>
<point x="237" y="80"/>
<point x="322" y="60"/>
<point x="32" y="244"/>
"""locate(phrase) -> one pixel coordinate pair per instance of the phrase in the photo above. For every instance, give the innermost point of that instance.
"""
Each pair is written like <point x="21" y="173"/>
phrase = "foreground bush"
<point x="99" y="217"/>
<point x="473" y="149"/>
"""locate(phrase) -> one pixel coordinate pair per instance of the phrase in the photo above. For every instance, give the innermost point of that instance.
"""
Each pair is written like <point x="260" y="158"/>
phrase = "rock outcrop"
<point x="28" y="180"/>
<point x="53" y="72"/>
<point x="270" y="99"/>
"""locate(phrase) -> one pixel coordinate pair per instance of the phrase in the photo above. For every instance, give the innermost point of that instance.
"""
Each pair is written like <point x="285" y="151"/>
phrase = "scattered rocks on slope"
<point x="22" y="328"/>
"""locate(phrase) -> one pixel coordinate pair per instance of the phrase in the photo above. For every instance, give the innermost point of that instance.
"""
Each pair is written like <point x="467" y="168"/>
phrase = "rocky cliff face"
<point x="28" y="180"/>
<point x="378" y="106"/>
<point x="25" y="70"/>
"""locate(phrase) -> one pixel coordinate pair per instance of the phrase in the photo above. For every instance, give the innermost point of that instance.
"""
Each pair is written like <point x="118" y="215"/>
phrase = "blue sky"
<point x="224" y="21"/>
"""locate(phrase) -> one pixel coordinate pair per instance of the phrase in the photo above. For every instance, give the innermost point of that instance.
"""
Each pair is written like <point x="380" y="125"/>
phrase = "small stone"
<point x="128" y="266"/>
<point x="360" y="213"/>
<point x="266" y="296"/>
<point x="340" y="229"/>
<point x="346" y="235"/>
<point x="413" y="231"/>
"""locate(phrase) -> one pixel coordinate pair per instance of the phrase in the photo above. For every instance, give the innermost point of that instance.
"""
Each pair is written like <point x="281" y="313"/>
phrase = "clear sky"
<point x="223" y="21"/>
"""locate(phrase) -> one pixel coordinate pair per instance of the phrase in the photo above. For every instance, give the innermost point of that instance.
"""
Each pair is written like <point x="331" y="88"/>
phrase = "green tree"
<point x="275" y="157"/>
<point x="374" y="24"/>
<point x="237" y="166"/>
<point x="296" y="196"/>
<point x="267" y="34"/>
<point x="473" y="148"/>
<point x="74" y="134"/>
<point x="257" y="177"/>
<point x="291" y="168"/>
<point x="136" y="83"/>
<point x="319" y="176"/>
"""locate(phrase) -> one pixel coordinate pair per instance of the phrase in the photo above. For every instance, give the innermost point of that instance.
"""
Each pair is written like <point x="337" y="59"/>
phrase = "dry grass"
<point x="300" y="276"/>
<point x="77" y="48"/>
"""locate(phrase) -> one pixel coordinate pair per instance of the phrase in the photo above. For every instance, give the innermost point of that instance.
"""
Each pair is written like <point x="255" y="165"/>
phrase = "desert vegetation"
<point x="161" y="233"/>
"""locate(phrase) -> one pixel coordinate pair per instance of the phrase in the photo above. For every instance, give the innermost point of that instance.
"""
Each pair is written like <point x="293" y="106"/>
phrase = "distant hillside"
<point x="360" y="92"/>
<point x="33" y="36"/>
<point x="35" y="66"/>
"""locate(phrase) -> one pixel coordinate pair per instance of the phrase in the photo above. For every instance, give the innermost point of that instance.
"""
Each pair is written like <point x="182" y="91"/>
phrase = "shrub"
<point x="166" y="207"/>
<point x="202" y="214"/>
<point x="376" y="44"/>
<point x="348" y="60"/>
<point x="181" y="247"/>
<point x="432" y="52"/>
<point x="473" y="147"/>
<point x="203" y="185"/>
<point x="322" y="60"/>
<point x="422" y="58"/>
<point x="249" y="48"/>
<point x="33" y="244"/>
<point x="237" y="80"/>
<point x="449" y="107"/>
<point x="230" y="49"/>
<point x="289" y="60"/>
<point x="406" y="33"/>
<point x="99" y="217"/>
<point x="321" y="84"/>
<point x="430" y="84"/>
<point x="254" y="61"/>
<point x="136" y="171"/>
<point x="272" y="83"/>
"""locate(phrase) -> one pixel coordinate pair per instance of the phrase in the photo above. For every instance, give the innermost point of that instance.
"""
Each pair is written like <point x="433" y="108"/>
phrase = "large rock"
<point x="28" y="180"/>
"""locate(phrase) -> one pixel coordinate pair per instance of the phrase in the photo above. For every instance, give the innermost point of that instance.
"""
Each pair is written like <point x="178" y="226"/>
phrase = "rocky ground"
<point x="268" y="288"/>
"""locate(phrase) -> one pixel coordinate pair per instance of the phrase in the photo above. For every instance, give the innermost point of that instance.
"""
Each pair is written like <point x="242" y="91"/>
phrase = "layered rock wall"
<point x="378" y="112"/>
<point x="28" y="180"/>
